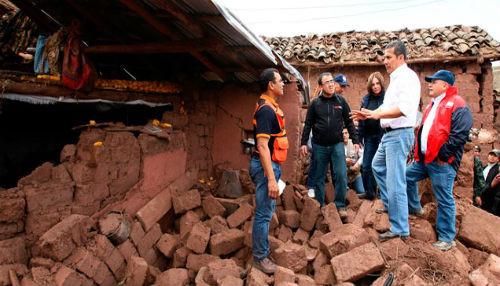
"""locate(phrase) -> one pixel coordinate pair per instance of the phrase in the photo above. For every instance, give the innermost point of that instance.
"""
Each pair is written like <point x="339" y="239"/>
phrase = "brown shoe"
<point x="265" y="265"/>
<point x="342" y="213"/>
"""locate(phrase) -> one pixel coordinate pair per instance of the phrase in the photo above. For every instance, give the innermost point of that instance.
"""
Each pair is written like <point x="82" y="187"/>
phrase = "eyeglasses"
<point x="327" y="82"/>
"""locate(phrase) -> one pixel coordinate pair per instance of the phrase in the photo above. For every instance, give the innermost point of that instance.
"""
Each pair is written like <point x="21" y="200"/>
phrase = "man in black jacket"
<point x="490" y="198"/>
<point x="326" y="116"/>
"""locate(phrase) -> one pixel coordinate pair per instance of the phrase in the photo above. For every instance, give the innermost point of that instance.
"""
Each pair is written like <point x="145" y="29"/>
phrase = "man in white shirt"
<point x="438" y="151"/>
<point x="398" y="115"/>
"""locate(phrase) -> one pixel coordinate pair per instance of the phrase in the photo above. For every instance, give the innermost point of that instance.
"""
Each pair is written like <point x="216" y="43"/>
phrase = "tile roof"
<point x="366" y="48"/>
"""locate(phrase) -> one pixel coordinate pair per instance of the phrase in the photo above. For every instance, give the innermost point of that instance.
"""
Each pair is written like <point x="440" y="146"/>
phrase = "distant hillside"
<point x="496" y="78"/>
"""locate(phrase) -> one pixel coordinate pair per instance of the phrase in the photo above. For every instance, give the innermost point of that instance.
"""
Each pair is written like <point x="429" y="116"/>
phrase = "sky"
<point x="294" y="17"/>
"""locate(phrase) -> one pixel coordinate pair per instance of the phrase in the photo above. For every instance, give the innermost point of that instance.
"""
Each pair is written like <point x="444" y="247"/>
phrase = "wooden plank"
<point x="156" y="48"/>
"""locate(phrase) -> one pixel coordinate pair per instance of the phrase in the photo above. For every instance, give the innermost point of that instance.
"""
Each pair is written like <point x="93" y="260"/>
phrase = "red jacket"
<point x="449" y="131"/>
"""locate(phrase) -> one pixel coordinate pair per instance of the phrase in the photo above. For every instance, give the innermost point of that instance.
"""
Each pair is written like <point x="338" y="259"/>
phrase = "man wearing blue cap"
<point x="438" y="151"/>
<point x="327" y="115"/>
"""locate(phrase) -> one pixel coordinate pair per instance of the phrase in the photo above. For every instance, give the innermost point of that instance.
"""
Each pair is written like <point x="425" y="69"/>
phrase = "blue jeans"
<point x="323" y="155"/>
<point x="442" y="178"/>
<point x="264" y="209"/>
<point x="371" y="145"/>
<point x="389" y="169"/>
<point x="357" y="185"/>
<point x="312" y="172"/>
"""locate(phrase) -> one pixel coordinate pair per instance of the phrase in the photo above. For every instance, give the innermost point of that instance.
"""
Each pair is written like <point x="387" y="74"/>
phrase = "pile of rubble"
<point x="86" y="222"/>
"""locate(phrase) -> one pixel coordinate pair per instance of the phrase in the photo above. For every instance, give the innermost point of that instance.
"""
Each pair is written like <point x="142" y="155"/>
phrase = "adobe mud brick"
<point x="41" y="262"/>
<point x="212" y="207"/>
<point x="186" y="201"/>
<point x="136" y="271"/>
<point x="290" y="218"/>
<point x="13" y="251"/>
<point x="155" y="209"/>
<point x="217" y="225"/>
<point x="226" y="242"/>
<point x="324" y="275"/>
<point x="180" y="257"/>
<point x="127" y="249"/>
<point x="309" y="214"/>
<point x="291" y="256"/>
<point x="357" y="263"/>
<point x="59" y="241"/>
<point x="231" y="205"/>
<point x="149" y="239"/>
<point x="229" y="185"/>
<point x="173" y="277"/>
<point x="198" y="280"/>
<point x="344" y="238"/>
<point x="363" y="211"/>
<point x="41" y="276"/>
<point x="136" y="232"/>
<point x="186" y="223"/>
<point x="304" y="280"/>
<point x="331" y="216"/>
<point x="11" y="209"/>
<point x="287" y="198"/>
<point x="219" y="269"/>
<point x="282" y="275"/>
<point x="352" y="198"/>
<point x="167" y="244"/>
<point x="116" y="264"/>
<point x="243" y="213"/>
<point x="196" y="261"/>
<point x="314" y="239"/>
<point x="84" y="261"/>
<point x="422" y="229"/>
<point x="103" y="276"/>
<point x="198" y="238"/>
<point x="274" y="223"/>
<point x="461" y="264"/>
<point x="257" y="278"/>
<point x="229" y="281"/>
<point x="301" y="236"/>
<point x="382" y="224"/>
<point x="479" y="229"/>
<point x="394" y="248"/>
<point x="284" y="233"/>
<point x="68" y="277"/>
<point x="103" y="247"/>
<point x="487" y="274"/>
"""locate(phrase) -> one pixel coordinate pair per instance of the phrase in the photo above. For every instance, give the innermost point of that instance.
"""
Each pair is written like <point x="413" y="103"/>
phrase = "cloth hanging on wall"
<point x="75" y="70"/>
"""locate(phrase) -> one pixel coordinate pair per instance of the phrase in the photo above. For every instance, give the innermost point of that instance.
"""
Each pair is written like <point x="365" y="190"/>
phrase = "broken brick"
<point x="167" y="244"/>
<point x="292" y="256"/>
<point x="116" y="264"/>
<point x="363" y="210"/>
<point x="173" y="277"/>
<point x="226" y="242"/>
<point x="300" y="236"/>
<point x="13" y="251"/>
<point x="136" y="271"/>
<point x="219" y="269"/>
<point x="344" y="238"/>
<point x="213" y="207"/>
<point x="324" y="275"/>
<point x="103" y="276"/>
<point x="257" y="278"/>
<point x="180" y="257"/>
<point x="479" y="229"/>
<point x="149" y="239"/>
<point x="229" y="281"/>
<point x="394" y="248"/>
<point x="196" y="261"/>
<point x="136" y="233"/>
<point x="218" y="224"/>
<point x="243" y="213"/>
<point x="198" y="238"/>
<point x="284" y="233"/>
<point x="283" y="274"/>
<point x="422" y="229"/>
<point x="304" y="280"/>
<point x="290" y="218"/>
<point x="357" y="263"/>
<point x="487" y="274"/>
<point x="68" y="277"/>
<point x="287" y="198"/>
<point x="186" y="222"/>
<point x="331" y="216"/>
<point x="309" y="213"/>
<point x="127" y="249"/>
<point x="186" y="201"/>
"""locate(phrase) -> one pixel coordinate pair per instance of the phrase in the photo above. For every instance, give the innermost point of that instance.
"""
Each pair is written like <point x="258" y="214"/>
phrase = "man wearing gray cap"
<point x="438" y="151"/>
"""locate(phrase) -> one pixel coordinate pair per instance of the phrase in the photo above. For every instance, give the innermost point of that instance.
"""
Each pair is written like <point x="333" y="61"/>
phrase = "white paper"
<point x="281" y="186"/>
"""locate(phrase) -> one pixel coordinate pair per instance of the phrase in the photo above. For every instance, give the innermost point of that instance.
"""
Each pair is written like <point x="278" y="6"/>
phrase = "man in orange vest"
<point x="272" y="145"/>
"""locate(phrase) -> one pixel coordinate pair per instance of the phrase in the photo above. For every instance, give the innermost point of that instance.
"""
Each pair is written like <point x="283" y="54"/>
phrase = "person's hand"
<point x="349" y="161"/>
<point x="495" y="181"/>
<point x="356" y="147"/>
<point x="303" y="150"/>
<point x="273" y="189"/>
<point x="355" y="168"/>
<point x="478" y="201"/>
<point x="357" y="114"/>
<point x="371" y="114"/>
<point x="440" y="163"/>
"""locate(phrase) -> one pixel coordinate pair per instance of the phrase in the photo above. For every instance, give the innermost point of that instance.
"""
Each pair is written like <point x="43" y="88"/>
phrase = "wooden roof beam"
<point x="168" y="32"/>
<point x="156" y="48"/>
<point x="36" y="15"/>
<point x="180" y="15"/>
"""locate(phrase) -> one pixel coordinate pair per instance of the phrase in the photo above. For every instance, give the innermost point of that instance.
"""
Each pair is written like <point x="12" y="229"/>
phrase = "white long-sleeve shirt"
<point x="403" y="92"/>
<point x="429" y="121"/>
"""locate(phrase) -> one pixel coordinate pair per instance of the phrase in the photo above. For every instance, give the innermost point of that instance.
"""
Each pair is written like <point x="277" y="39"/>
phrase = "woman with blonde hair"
<point x="370" y="132"/>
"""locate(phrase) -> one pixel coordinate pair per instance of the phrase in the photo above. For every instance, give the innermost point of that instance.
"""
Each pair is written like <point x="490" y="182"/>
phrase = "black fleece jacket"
<point x="327" y="117"/>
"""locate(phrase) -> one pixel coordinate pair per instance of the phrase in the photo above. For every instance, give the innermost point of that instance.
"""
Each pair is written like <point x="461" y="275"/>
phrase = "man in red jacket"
<point x="440" y="145"/>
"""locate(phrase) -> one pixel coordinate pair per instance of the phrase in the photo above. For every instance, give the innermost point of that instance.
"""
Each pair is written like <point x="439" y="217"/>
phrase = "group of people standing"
<point x="487" y="181"/>
<point x="386" y="130"/>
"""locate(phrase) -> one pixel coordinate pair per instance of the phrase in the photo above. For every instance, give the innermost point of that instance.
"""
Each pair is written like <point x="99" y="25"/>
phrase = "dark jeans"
<point x="371" y="145"/>
<point x="323" y="156"/>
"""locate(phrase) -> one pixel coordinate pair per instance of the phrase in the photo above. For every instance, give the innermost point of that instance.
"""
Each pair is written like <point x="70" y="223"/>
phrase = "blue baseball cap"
<point x="442" y="75"/>
<point x="341" y="79"/>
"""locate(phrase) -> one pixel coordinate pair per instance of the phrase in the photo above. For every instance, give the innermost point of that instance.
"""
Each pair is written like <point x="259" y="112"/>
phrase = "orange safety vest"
<point x="280" y="145"/>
